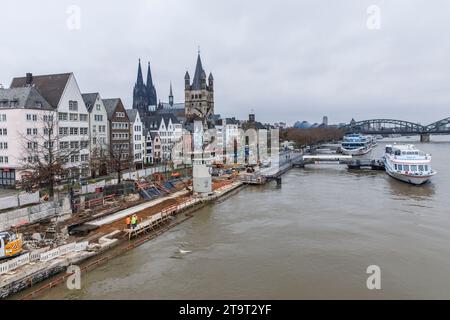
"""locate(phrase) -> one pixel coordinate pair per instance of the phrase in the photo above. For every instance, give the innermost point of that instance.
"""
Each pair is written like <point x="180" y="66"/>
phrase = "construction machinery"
<point x="10" y="244"/>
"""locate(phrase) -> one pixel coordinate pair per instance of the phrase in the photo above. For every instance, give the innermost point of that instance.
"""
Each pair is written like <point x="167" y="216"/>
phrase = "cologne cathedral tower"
<point x="144" y="95"/>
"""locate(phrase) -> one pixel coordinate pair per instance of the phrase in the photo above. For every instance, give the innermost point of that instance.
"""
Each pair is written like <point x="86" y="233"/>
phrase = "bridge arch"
<point x="438" y="126"/>
<point x="380" y="126"/>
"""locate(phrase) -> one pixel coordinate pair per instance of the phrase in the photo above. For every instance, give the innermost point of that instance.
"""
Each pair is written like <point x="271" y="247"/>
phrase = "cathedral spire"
<point x="149" y="76"/>
<point x="140" y="79"/>
<point x="171" y="95"/>
<point x="151" y="90"/>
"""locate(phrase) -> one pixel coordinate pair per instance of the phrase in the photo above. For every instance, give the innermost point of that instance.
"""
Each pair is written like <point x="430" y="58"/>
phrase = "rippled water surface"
<point x="312" y="238"/>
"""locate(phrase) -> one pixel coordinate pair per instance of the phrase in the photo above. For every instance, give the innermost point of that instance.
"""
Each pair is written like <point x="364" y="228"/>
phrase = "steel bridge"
<point x="392" y="126"/>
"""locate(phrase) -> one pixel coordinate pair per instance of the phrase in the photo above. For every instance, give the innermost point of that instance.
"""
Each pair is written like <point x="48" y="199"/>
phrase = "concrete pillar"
<point x="425" y="137"/>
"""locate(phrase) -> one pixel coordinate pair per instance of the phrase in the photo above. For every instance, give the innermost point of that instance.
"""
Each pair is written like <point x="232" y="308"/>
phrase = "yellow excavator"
<point x="10" y="244"/>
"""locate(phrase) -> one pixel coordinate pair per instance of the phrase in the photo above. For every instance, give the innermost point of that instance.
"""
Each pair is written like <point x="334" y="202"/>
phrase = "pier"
<point x="336" y="159"/>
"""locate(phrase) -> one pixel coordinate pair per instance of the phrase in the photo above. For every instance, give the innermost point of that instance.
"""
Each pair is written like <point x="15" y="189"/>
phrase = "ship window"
<point x="406" y="167"/>
<point x="413" y="168"/>
<point x="426" y="167"/>
<point x="395" y="166"/>
<point x="421" y="168"/>
<point x="400" y="167"/>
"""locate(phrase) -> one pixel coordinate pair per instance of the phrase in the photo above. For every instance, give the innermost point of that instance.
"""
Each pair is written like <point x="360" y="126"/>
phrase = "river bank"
<point x="108" y="245"/>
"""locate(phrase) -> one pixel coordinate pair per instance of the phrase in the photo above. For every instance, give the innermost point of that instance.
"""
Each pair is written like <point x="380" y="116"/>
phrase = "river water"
<point x="312" y="238"/>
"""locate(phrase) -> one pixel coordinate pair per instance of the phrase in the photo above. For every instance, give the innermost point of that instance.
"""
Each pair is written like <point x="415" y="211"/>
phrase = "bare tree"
<point x="47" y="155"/>
<point x="305" y="137"/>
<point x="99" y="159"/>
<point x="120" y="159"/>
<point x="116" y="157"/>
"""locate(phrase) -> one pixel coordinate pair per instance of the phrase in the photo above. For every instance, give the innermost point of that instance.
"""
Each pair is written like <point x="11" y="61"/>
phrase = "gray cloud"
<point x="287" y="60"/>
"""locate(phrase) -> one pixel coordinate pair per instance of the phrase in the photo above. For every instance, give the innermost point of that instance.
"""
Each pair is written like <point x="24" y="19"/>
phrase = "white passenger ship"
<point x="356" y="144"/>
<point x="408" y="164"/>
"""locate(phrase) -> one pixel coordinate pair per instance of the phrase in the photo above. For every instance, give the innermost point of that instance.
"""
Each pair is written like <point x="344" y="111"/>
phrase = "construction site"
<point x="98" y="226"/>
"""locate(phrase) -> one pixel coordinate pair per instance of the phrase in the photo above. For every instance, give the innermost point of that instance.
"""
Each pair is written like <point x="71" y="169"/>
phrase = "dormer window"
<point x="73" y="105"/>
<point x="38" y="104"/>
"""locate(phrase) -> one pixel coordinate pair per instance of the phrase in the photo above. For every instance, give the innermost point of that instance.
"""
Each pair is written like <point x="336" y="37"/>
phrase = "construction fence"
<point x="19" y="200"/>
<point x="27" y="215"/>
<point x="45" y="256"/>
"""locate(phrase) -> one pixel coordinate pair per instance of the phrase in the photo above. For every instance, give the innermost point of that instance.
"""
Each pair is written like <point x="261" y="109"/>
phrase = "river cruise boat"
<point x="408" y="164"/>
<point x="356" y="144"/>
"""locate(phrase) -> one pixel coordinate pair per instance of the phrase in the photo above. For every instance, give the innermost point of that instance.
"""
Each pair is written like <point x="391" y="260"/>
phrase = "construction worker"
<point x="128" y="221"/>
<point x="134" y="221"/>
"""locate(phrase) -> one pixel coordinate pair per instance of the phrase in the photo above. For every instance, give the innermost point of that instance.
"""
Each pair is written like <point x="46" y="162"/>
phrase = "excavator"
<point x="10" y="244"/>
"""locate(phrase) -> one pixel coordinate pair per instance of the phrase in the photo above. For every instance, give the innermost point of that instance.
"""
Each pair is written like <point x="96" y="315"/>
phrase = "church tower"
<point x="171" y="96"/>
<point x="140" y="95"/>
<point x="151" y="90"/>
<point x="199" y="95"/>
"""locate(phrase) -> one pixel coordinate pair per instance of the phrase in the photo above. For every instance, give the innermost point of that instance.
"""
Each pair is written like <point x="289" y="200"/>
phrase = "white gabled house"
<point x="138" y="138"/>
<point x="169" y="130"/>
<point x="98" y="128"/>
<point x="63" y="94"/>
<point x="21" y="127"/>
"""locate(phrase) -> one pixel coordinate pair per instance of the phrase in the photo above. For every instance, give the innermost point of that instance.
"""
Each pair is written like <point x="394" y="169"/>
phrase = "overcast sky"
<point x="286" y="60"/>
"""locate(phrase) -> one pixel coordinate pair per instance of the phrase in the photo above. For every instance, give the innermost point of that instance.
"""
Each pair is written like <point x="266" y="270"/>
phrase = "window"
<point x="406" y="167"/>
<point x="35" y="131"/>
<point x="3" y="117"/>
<point x="97" y="107"/>
<point x="64" y="145"/>
<point x="28" y="117"/>
<point x="94" y="128"/>
<point x="400" y="167"/>
<point x="73" y="131"/>
<point x="98" y="117"/>
<point x="84" y="157"/>
<point x="34" y="117"/>
<point x="63" y="131"/>
<point x="73" y="105"/>
<point x="74" y="144"/>
<point x="83" y="130"/>
<point x="48" y="118"/>
<point x="73" y="116"/>
<point x="421" y="167"/>
<point x="74" y="158"/>
<point x="413" y="168"/>
<point x="28" y="131"/>
<point x="83" y="117"/>
<point x="120" y="114"/>
<point x="62" y="116"/>
<point x="84" y="144"/>
<point x="3" y="145"/>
